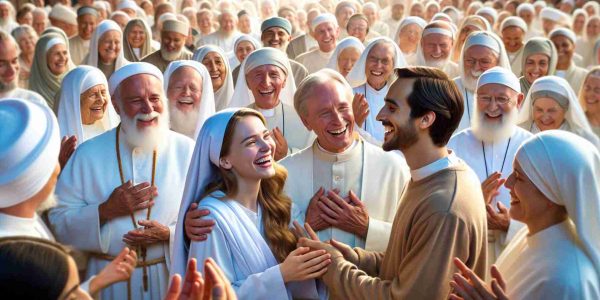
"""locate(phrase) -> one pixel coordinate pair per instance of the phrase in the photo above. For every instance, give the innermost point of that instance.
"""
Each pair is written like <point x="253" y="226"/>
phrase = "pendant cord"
<point x="485" y="158"/>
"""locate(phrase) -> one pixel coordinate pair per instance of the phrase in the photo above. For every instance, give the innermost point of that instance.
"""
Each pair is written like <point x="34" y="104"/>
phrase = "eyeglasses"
<point x="499" y="100"/>
<point x="484" y="62"/>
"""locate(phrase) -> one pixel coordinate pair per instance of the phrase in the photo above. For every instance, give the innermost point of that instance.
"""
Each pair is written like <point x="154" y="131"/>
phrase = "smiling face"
<point x="243" y="49"/>
<point x="244" y="24"/>
<point x="578" y="23"/>
<point x="536" y="66"/>
<point x="527" y="203"/>
<point x="86" y="25"/>
<point x="593" y="28"/>
<point x="512" y="37"/>
<point x="436" y="49"/>
<point x="136" y="36"/>
<point x="185" y="89"/>
<point x="409" y="38"/>
<point x="109" y="46"/>
<point x="141" y="101"/>
<point x="477" y="59"/>
<point x="527" y="16"/>
<point x="9" y="66"/>
<point x="172" y="43"/>
<point x="275" y="37"/>
<point x="326" y="35"/>
<point x="344" y="15"/>
<point x="57" y="59"/>
<point x="591" y="92"/>
<point x="266" y="82"/>
<point x="346" y="60"/>
<point x="358" y="28"/>
<point x="227" y="23"/>
<point x="93" y="104"/>
<point x="496" y="112"/>
<point x="565" y="48"/>
<point x="547" y="114"/>
<point x="216" y="68"/>
<point x="400" y="129"/>
<point x="380" y="64"/>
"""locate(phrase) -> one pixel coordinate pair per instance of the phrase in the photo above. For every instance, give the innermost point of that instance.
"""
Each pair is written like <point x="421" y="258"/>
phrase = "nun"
<point x="408" y="37"/>
<point x="470" y="24"/>
<point x="564" y="40"/>
<point x="137" y="40"/>
<point x="106" y="51"/>
<point x="346" y="54"/>
<point x="589" y="97"/>
<point x="538" y="60"/>
<point x="243" y="46"/>
<point x="217" y="64"/>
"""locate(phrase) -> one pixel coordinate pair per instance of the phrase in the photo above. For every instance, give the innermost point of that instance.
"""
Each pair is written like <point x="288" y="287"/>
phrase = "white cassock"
<point x="377" y="178"/>
<point x="469" y="105"/>
<point x="314" y="60"/>
<point x="375" y="99"/>
<point x="78" y="49"/>
<point x="237" y="244"/>
<point x="285" y="117"/>
<point x="88" y="180"/>
<point x="574" y="75"/>
<point x="548" y="265"/>
<point x="13" y="226"/>
<point x="220" y="40"/>
<point x="516" y="61"/>
<point x="19" y="93"/>
<point x="485" y="159"/>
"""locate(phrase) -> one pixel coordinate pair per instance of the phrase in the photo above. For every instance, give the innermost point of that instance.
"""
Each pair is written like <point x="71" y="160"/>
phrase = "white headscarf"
<point x="93" y="58"/>
<point x="358" y="76"/>
<point x="408" y="21"/>
<point x="75" y="83"/>
<point x="233" y="61"/>
<point x="242" y="96"/>
<point x="489" y="40"/>
<point x="349" y="42"/>
<point x="223" y="95"/>
<point x="29" y="146"/>
<point x="566" y="169"/>
<point x="207" y="100"/>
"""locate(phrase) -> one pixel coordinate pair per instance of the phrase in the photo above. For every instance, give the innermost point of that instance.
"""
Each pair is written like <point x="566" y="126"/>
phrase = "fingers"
<point x="329" y="219"/>
<point x="469" y="291"/>
<point x="498" y="277"/>
<point x="337" y="200"/>
<point x="323" y="204"/>
<point x="460" y="291"/>
<point x="311" y="233"/>
<point x="298" y="230"/>
<point x="174" y="288"/>
<point x="490" y="210"/>
<point x="460" y="265"/>
<point x="501" y="208"/>
<point x="318" y="194"/>
<point x="300" y="250"/>
<point x="354" y="199"/>
<point x="498" y="291"/>
<point x="340" y="246"/>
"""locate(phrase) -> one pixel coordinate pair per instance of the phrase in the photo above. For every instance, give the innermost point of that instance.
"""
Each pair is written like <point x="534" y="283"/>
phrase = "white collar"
<point x="436" y="166"/>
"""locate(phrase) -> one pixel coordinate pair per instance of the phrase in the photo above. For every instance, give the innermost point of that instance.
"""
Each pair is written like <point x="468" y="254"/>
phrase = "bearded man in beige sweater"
<point x="441" y="213"/>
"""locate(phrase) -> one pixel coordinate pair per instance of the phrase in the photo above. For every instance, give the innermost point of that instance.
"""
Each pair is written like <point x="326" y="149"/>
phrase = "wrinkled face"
<point x="185" y="89"/>
<point x="380" y="64"/>
<point x="204" y="22"/>
<point x="409" y="37"/>
<point x="57" y="59"/>
<point x="121" y="20"/>
<point x="358" y="28"/>
<point x="250" y="154"/>
<point x="565" y="48"/>
<point x="478" y="59"/>
<point x="431" y="11"/>
<point x="326" y="35"/>
<point x="136" y="37"/>
<point x="109" y="46"/>
<point x="275" y="37"/>
<point x="244" y="24"/>
<point x="39" y="23"/>
<point x="172" y="42"/>
<point x="86" y="25"/>
<point x="591" y="92"/>
<point x="371" y="15"/>
<point x="346" y="60"/>
<point x="265" y="82"/>
<point x="417" y="11"/>
<point x="344" y="15"/>
<point x="548" y="25"/>
<point x="27" y="43"/>
<point x="141" y="101"/>
<point x="243" y="49"/>
<point x="216" y="68"/>
<point x="72" y="290"/>
<point x="397" y="11"/>
<point x="436" y="47"/>
<point x="495" y="102"/>
<point x="400" y="129"/>
<point x="9" y="66"/>
<point x="227" y="23"/>
<point x="593" y="28"/>
<point x="536" y="66"/>
<point x="547" y="114"/>
<point x="512" y="37"/>
<point x="329" y="115"/>
<point x="527" y="16"/>
<point x="93" y="104"/>
<point x="578" y="23"/>
<point x="527" y="203"/>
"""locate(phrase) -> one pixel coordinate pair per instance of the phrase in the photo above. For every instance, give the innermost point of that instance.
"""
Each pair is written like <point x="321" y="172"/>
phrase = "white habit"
<point x="79" y="49"/>
<point x="314" y="60"/>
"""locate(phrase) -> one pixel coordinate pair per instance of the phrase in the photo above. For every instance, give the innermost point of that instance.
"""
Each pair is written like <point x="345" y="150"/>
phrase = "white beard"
<point x="437" y="63"/>
<point x="170" y="56"/>
<point x="489" y="132"/>
<point x="149" y="138"/>
<point x="49" y="203"/>
<point x="470" y="81"/>
<point x="184" y="122"/>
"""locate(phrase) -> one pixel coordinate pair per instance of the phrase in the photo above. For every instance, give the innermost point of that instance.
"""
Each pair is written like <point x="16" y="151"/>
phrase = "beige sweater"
<point x="440" y="217"/>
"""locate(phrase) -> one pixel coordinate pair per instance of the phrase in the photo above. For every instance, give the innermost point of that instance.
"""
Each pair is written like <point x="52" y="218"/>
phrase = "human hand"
<point x="498" y="220"/>
<point x="119" y="269"/>
<point x="467" y="285"/>
<point x="217" y="283"/>
<point x="304" y="263"/>
<point x="350" y="217"/>
<point x="360" y="108"/>
<point x="347" y="251"/>
<point x="281" y="145"/>
<point x="196" y="228"/>
<point x="214" y="286"/>
<point x="491" y="187"/>
<point x="313" y="212"/>
<point x="67" y="147"/>
<point x="152" y="232"/>
<point x="126" y="199"/>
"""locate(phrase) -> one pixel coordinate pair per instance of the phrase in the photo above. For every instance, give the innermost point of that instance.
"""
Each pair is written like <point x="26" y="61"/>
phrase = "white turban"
<point x="408" y="21"/>
<point x="358" y="76"/>
<point x="63" y="13"/>
<point x="242" y="96"/>
<point x="222" y="95"/>
<point x="323" y="18"/>
<point x="540" y="3"/>
<point x="75" y="83"/>
<point x="525" y="7"/>
<point x="29" y="146"/>
<point x="132" y="69"/>
<point x="498" y="75"/>
<point x="488" y="11"/>
<point x="176" y="26"/>
<point x="554" y="14"/>
<point x="349" y="42"/>
<point x="514" y="22"/>
<point x="207" y="100"/>
<point x="93" y="57"/>
<point x="566" y="169"/>
<point x="568" y="33"/>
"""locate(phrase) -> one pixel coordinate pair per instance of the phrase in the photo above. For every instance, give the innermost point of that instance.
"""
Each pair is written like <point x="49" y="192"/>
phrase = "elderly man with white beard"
<point x="437" y="42"/>
<point x="190" y="94"/>
<point x="7" y="16"/>
<point x="172" y="45"/>
<point x="118" y="188"/>
<point x="489" y="147"/>
<point x="482" y="51"/>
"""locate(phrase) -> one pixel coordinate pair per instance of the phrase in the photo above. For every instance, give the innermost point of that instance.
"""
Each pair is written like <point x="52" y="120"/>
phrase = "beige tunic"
<point x="314" y="60"/>
<point x="156" y="59"/>
<point x="574" y="75"/>
<point x="79" y="49"/>
<point x="301" y="44"/>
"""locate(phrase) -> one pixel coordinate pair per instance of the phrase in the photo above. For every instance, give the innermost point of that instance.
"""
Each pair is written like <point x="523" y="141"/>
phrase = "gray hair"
<point x="306" y="88"/>
<point x="21" y="30"/>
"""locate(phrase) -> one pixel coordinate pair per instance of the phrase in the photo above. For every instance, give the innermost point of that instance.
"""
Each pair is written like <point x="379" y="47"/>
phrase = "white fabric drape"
<point x="223" y="94"/>
<point x="349" y="42"/>
<point x="93" y="58"/>
<point x="358" y="75"/>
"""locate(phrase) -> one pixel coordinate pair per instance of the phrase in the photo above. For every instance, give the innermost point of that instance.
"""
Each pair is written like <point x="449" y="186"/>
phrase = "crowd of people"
<point x="312" y="149"/>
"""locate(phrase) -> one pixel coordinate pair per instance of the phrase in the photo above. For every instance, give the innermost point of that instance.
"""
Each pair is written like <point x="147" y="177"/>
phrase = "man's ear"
<point x="520" y="100"/>
<point x="427" y="120"/>
<point x="305" y="123"/>
<point x="225" y="163"/>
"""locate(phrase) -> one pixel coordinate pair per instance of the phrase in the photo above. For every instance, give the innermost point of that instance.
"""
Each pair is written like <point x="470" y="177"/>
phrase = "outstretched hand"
<point x="213" y="286"/>
<point x="467" y="285"/>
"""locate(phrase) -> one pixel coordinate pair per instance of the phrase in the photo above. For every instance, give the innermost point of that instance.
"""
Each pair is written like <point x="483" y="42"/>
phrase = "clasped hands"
<point x="327" y="209"/>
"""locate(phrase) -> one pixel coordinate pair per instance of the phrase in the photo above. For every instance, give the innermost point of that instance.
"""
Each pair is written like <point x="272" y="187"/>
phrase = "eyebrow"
<point x="252" y="136"/>
<point x="390" y="101"/>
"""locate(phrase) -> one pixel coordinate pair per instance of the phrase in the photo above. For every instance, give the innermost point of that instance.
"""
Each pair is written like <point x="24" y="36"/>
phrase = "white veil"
<point x="358" y="76"/>
<point x="223" y="95"/>
<point x="92" y="58"/>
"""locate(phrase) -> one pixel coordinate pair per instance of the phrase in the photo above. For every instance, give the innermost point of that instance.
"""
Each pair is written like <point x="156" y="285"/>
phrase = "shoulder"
<point x="180" y="141"/>
<point x="299" y="39"/>
<point x="151" y="56"/>
<point x="389" y="157"/>
<point x="99" y="144"/>
<point x="460" y="136"/>
<point x="521" y="134"/>
<point x="296" y="159"/>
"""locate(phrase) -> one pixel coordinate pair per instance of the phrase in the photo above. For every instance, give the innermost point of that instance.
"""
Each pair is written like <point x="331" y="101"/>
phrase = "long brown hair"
<point x="275" y="203"/>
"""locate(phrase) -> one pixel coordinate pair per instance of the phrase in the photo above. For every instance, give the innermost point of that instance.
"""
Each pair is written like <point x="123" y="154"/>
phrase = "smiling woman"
<point x="106" y="51"/>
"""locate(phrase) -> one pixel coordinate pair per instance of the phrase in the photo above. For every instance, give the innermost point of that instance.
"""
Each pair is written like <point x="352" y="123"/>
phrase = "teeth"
<point x="266" y="92"/>
<point x="263" y="160"/>
<point x="186" y="101"/>
<point x="388" y="128"/>
<point x="215" y="75"/>
<point x="376" y="73"/>
<point x="339" y="131"/>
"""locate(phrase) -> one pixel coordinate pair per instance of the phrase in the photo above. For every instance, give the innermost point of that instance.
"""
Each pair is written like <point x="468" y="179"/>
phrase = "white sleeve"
<point x="378" y="235"/>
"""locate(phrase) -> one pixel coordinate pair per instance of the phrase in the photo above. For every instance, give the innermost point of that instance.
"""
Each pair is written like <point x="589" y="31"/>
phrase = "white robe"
<point x="499" y="157"/>
<point x="375" y="99"/>
<point x="238" y="246"/>
<point x="469" y="105"/>
<point x="381" y="180"/>
<point x="288" y="121"/>
<point x="218" y="39"/>
<point x="314" y="60"/>
<point x="548" y="265"/>
<point x="20" y="93"/>
<point x="14" y="226"/>
<point x="574" y="75"/>
<point x="516" y="61"/>
<point x="78" y="49"/>
<point x="88" y="180"/>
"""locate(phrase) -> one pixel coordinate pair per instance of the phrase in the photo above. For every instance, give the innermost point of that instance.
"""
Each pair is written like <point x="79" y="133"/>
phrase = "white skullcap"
<point x="124" y="4"/>
<point x="488" y="11"/>
<point x="570" y="2"/>
<point x="499" y="75"/>
<point x="166" y="16"/>
<point x="63" y="13"/>
<point x="29" y="146"/>
<point x="580" y="11"/>
<point x="525" y="7"/>
<point x="514" y="22"/>
<point x="481" y="38"/>
<point x="412" y="20"/>
<point x="540" y="3"/>
<point x="553" y="14"/>
<point x="323" y="18"/>
<point x="568" y="33"/>
<point x="176" y="26"/>
<point x="134" y="68"/>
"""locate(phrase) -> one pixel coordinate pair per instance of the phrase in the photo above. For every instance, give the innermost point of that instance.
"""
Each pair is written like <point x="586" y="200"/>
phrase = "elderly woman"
<point x="470" y="24"/>
<point x="580" y="17"/>
<point x="26" y="38"/>
<point x="370" y="79"/>
<point x="345" y="55"/>
<point x="137" y="40"/>
<point x="50" y="64"/>
<point x="589" y="97"/>
<point x="215" y="60"/>
<point x="557" y="256"/>
<point x="243" y="46"/>
<point x="552" y="104"/>
<point x="106" y="51"/>
<point x="267" y="86"/>
<point x="408" y="37"/>
<point x="539" y="60"/>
